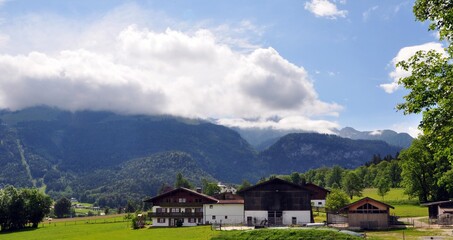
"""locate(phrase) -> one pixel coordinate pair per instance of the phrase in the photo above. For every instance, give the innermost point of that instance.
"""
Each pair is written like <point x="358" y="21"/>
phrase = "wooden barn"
<point x="319" y="195"/>
<point x="276" y="202"/>
<point x="368" y="213"/>
<point x="441" y="212"/>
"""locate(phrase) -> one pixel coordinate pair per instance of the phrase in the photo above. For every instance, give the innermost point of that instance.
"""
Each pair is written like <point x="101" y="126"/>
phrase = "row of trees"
<point x="18" y="207"/>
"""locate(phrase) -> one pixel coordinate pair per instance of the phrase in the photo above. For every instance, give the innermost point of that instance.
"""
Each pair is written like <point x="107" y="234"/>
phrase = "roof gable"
<point x="177" y="190"/>
<point x="273" y="181"/>
<point x="365" y="200"/>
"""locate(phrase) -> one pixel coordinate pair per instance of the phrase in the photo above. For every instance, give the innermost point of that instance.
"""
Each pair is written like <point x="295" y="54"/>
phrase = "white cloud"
<point x="367" y="13"/>
<point x="376" y="133"/>
<point x="404" y="54"/>
<point x="410" y="128"/>
<point x="325" y="8"/>
<point x="287" y="123"/>
<point x="109" y="64"/>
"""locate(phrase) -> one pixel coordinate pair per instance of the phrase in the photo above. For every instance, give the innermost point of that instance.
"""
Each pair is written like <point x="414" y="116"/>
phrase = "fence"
<point x="81" y="221"/>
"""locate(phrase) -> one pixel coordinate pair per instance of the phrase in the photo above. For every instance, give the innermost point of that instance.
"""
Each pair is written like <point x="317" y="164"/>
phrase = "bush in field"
<point x="21" y="206"/>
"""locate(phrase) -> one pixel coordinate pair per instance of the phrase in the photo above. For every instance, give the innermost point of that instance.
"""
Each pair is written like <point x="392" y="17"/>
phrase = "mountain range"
<point x="108" y="157"/>
<point x="262" y="138"/>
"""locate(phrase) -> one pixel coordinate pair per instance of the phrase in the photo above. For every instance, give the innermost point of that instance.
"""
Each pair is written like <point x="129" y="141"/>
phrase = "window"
<point x="226" y="217"/>
<point x="188" y="210"/>
<point x="191" y="220"/>
<point x="198" y="210"/>
<point x="175" y="210"/>
<point x="161" y="220"/>
<point x="168" y="200"/>
<point x="181" y="200"/>
<point x="200" y="220"/>
<point x="213" y="217"/>
<point x="210" y="206"/>
<point x="198" y="200"/>
<point x="319" y="203"/>
<point x="294" y="220"/>
<point x="368" y="208"/>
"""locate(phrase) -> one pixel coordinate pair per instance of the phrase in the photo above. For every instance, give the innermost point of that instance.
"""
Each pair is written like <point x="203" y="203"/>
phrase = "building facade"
<point x="368" y="213"/>
<point x="179" y="206"/>
<point x="277" y="202"/>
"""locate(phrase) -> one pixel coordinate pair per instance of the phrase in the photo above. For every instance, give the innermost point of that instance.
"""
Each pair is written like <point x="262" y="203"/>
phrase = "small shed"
<point x="368" y="213"/>
<point x="441" y="211"/>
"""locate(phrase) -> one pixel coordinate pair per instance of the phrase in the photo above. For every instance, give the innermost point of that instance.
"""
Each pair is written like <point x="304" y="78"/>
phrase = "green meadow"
<point x="109" y="231"/>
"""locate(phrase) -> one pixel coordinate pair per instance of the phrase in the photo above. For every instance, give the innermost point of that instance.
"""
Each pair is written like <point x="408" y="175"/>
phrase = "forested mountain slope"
<point x="303" y="151"/>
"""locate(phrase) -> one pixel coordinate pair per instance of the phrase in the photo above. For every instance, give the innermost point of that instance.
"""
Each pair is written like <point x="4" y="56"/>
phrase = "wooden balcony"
<point x="175" y="214"/>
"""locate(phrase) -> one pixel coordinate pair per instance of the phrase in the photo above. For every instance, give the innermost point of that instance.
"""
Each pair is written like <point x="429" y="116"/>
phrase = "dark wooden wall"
<point x="276" y="197"/>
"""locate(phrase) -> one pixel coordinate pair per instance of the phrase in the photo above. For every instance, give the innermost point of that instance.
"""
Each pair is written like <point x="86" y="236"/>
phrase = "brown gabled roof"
<point x="315" y="187"/>
<point x="181" y="189"/>
<point x="365" y="200"/>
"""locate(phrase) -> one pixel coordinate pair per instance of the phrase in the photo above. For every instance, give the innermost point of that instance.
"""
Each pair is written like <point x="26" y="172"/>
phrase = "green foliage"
<point x="182" y="182"/>
<point x="422" y="172"/>
<point x="351" y="185"/>
<point x="296" y="178"/>
<point x="20" y="206"/>
<point x="245" y="184"/>
<point x="335" y="176"/>
<point x="301" y="151"/>
<point x="62" y="207"/>
<point x="383" y="185"/>
<point x="209" y="188"/>
<point x="336" y="199"/>
<point x="37" y="205"/>
<point x="290" y="234"/>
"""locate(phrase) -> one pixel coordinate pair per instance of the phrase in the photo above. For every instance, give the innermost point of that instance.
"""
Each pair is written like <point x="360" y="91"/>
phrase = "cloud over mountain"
<point x="135" y="68"/>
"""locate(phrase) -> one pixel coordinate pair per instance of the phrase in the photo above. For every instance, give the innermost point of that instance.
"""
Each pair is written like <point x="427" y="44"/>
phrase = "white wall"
<point x="234" y="213"/>
<point x="302" y="217"/>
<point x="318" y="202"/>
<point x="167" y="220"/>
<point x="258" y="215"/>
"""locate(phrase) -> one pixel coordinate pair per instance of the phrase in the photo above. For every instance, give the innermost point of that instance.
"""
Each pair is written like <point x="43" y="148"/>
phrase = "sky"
<point x="312" y="65"/>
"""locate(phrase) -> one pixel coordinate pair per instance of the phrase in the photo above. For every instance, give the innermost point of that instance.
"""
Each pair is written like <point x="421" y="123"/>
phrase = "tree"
<point x="19" y="206"/>
<point x="130" y="208"/>
<point x="12" y="209"/>
<point x="336" y="200"/>
<point x="37" y="205"/>
<point x="394" y="171"/>
<point x="419" y="171"/>
<point x="430" y="93"/>
<point x="335" y="176"/>
<point x="295" y="178"/>
<point x="182" y="182"/>
<point x="62" y="207"/>
<point x="351" y="185"/>
<point x="383" y="187"/>
<point x="429" y="82"/>
<point x="245" y="184"/>
<point x="209" y="188"/>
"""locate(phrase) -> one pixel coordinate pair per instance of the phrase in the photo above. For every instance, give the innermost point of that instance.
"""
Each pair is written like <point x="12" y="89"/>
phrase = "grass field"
<point x="109" y="231"/>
